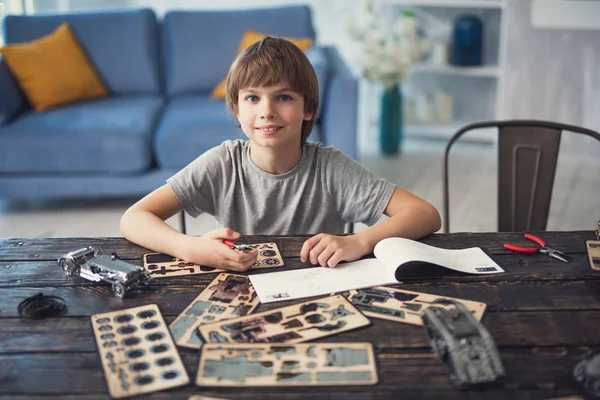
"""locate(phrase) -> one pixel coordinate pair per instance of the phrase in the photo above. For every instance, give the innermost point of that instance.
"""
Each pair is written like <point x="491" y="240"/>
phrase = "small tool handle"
<point x="536" y="239"/>
<point x="519" y="249"/>
<point x="229" y="243"/>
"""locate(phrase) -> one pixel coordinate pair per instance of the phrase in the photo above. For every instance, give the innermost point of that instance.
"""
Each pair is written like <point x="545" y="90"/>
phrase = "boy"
<point x="275" y="183"/>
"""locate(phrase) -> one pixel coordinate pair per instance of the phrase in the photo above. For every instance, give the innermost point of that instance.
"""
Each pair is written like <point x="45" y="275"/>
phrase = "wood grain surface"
<point x="544" y="316"/>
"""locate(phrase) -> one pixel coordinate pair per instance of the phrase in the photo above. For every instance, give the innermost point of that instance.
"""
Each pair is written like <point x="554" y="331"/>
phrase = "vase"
<point x="390" y="124"/>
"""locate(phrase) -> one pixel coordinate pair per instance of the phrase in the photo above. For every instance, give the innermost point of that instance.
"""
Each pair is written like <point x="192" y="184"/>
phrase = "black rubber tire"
<point x="67" y="266"/>
<point x="118" y="289"/>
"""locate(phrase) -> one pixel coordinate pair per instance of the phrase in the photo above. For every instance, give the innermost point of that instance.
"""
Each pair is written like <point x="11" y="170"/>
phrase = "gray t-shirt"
<point x="319" y="195"/>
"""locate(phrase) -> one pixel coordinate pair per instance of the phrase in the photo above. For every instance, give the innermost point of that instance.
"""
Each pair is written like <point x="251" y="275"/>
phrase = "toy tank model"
<point x="94" y="266"/>
<point x="463" y="344"/>
<point x="587" y="374"/>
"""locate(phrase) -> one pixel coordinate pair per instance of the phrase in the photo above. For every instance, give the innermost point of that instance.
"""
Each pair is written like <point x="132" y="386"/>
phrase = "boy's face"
<point x="272" y="116"/>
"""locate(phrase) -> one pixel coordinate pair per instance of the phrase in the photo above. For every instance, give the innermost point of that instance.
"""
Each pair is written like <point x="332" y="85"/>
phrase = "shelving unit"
<point x="442" y="132"/>
<point x="429" y="68"/>
<point x="449" y="3"/>
<point x="476" y="91"/>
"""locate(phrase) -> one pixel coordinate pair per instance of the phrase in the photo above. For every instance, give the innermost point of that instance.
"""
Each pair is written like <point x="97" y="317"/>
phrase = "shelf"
<point x="475" y="91"/>
<point x="445" y="132"/>
<point x="484" y="72"/>
<point x="449" y="3"/>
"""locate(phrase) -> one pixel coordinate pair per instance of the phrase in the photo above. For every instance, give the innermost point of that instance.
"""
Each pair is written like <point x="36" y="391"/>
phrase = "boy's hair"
<point x="273" y="61"/>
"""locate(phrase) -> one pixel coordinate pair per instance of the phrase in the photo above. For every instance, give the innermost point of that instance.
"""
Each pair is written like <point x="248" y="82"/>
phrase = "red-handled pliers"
<point x="532" y="250"/>
<point x="241" y="247"/>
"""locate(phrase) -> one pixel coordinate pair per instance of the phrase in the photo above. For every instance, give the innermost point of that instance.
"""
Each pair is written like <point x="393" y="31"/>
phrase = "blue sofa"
<point x="159" y="116"/>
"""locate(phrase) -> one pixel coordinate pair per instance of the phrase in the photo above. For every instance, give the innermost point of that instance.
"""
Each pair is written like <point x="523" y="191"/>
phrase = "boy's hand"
<point x="329" y="250"/>
<point x="210" y="250"/>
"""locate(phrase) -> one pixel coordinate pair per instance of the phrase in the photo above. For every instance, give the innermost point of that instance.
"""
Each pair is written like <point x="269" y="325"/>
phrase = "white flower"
<point x="390" y="48"/>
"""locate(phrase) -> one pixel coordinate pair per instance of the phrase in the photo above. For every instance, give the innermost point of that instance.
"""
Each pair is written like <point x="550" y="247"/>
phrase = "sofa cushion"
<point x="53" y="70"/>
<point x="192" y="125"/>
<point x="315" y="134"/>
<point x="105" y="136"/>
<point x="198" y="51"/>
<point x="249" y="38"/>
<point x="11" y="98"/>
<point x="122" y="45"/>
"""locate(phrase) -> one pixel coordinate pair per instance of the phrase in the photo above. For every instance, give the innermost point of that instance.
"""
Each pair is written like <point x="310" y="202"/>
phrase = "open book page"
<point x="300" y="283"/>
<point x="393" y="252"/>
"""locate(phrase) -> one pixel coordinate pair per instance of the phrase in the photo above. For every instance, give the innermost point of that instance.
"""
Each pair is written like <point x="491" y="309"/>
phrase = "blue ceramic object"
<point x="467" y="41"/>
<point x="390" y="125"/>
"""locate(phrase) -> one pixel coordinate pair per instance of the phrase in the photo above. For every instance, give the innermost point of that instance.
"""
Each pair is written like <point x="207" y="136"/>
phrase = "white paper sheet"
<point x="391" y="253"/>
<point x="300" y="283"/>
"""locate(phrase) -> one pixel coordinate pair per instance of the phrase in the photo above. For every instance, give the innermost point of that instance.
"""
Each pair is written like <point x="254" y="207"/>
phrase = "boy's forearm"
<point x="148" y="230"/>
<point x="410" y="223"/>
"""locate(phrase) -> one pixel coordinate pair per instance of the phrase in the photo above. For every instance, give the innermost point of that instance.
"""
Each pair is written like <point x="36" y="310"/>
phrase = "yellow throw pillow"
<point x="249" y="38"/>
<point x="53" y="70"/>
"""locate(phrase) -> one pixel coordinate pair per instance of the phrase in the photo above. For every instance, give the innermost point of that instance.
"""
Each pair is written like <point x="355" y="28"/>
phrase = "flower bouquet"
<point x="390" y="49"/>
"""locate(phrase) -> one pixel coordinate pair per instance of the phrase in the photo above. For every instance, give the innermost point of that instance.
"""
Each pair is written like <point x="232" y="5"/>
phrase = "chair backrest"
<point x="527" y="155"/>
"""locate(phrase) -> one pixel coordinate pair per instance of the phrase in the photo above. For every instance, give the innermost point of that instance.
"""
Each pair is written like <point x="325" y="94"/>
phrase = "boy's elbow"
<point x="438" y="220"/>
<point x="123" y="226"/>
<point x="124" y="223"/>
<point x="434" y="218"/>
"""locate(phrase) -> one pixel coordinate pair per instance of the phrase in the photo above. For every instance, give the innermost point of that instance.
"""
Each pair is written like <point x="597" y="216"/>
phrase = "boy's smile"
<point x="269" y="129"/>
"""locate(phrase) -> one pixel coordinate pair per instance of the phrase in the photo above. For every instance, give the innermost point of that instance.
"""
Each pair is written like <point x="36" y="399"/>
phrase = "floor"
<point x="575" y="204"/>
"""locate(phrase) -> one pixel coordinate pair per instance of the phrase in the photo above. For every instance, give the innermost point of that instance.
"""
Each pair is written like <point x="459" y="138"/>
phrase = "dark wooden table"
<point x="543" y="314"/>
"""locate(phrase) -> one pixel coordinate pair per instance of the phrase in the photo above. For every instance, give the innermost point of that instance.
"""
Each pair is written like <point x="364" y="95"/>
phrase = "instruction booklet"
<point x="391" y="255"/>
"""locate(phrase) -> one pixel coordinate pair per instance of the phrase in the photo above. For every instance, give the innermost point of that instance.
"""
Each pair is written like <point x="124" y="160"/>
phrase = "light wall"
<point x="552" y="74"/>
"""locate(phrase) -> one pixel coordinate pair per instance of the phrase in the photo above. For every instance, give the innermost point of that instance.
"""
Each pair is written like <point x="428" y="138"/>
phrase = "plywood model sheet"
<point x="165" y="266"/>
<point x="137" y="352"/>
<point x="593" y="250"/>
<point x="402" y="305"/>
<point x="227" y="296"/>
<point x="306" y="364"/>
<point x="292" y="324"/>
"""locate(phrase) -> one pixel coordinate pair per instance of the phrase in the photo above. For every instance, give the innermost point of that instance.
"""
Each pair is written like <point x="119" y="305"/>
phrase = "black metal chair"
<point x="527" y="155"/>
<point x="182" y="222"/>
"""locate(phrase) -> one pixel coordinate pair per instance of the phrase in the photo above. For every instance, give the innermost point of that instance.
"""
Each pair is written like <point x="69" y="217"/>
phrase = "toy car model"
<point x="462" y="343"/>
<point x="94" y="266"/>
<point x="587" y="373"/>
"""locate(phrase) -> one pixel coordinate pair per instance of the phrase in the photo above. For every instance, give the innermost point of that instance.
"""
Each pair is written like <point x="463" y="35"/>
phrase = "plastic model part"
<point x="463" y="344"/>
<point x="95" y="266"/>
<point x="41" y="306"/>
<point x="587" y="374"/>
